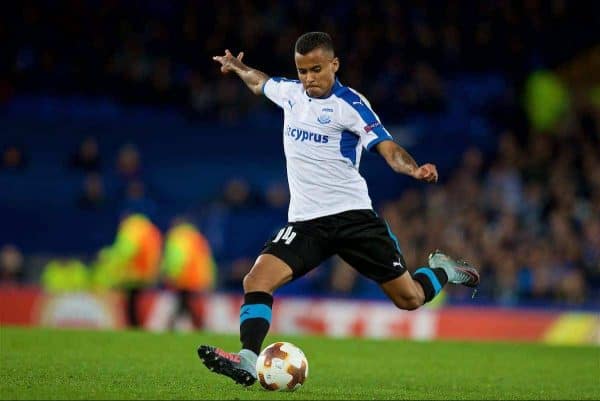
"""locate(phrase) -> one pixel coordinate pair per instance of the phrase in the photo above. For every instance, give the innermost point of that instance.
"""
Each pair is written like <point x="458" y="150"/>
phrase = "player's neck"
<point x="324" y="96"/>
<point x="329" y="92"/>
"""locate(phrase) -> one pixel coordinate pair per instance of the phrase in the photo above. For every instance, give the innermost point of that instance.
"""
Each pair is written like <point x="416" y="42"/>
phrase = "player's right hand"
<point x="229" y="62"/>
<point x="426" y="172"/>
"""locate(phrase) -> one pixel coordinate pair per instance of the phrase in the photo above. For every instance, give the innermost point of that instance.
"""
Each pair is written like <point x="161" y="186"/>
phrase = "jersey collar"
<point x="336" y="88"/>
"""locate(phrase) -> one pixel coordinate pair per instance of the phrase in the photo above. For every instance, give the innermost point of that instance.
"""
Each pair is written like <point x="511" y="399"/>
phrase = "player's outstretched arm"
<point x="253" y="78"/>
<point x="402" y="162"/>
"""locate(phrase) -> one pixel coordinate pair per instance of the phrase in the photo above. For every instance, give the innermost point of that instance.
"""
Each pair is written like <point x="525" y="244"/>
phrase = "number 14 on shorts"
<point x="287" y="234"/>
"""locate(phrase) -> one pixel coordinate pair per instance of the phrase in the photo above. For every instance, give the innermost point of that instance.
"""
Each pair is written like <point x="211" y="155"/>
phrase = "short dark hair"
<point x="312" y="40"/>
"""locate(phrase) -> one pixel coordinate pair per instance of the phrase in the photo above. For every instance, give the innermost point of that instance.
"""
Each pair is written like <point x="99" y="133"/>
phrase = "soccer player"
<point x="326" y="126"/>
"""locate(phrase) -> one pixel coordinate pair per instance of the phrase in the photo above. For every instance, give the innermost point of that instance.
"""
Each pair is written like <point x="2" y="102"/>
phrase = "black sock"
<point x="255" y="319"/>
<point x="432" y="281"/>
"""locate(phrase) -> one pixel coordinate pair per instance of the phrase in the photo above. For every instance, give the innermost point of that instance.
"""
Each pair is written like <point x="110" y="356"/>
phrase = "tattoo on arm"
<point x="402" y="162"/>
<point x="253" y="78"/>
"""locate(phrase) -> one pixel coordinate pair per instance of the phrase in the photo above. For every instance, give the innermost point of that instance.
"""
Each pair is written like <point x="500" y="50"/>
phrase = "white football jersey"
<point x="323" y="140"/>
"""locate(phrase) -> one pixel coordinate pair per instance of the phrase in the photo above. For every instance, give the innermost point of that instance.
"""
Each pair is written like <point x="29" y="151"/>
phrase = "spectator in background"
<point x="429" y="94"/>
<point x="137" y="200"/>
<point x="87" y="157"/>
<point x="137" y="252"/>
<point x="343" y="278"/>
<point x="571" y="289"/>
<point x="133" y="188"/>
<point x="145" y="59"/>
<point x="277" y="196"/>
<point x="188" y="268"/>
<point x="93" y="196"/>
<point x="238" y="194"/>
<point x="546" y="100"/>
<point x="11" y="265"/>
<point x="14" y="158"/>
<point x="7" y="91"/>
<point x="591" y="251"/>
<point x="63" y="275"/>
<point x="129" y="165"/>
<point x="130" y="67"/>
<point x="201" y="101"/>
<point x="526" y="216"/>
<point x="238" y="268"/>
<point x="503" y="182"/>
<point x="106" y="273"/>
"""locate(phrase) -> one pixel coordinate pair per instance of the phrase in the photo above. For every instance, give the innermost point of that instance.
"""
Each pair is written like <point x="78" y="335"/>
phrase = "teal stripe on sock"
<point x="437" y="287"/>
<point x="254" y="311"/>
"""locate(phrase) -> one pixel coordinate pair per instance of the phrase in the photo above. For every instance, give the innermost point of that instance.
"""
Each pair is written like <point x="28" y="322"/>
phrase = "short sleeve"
<point x="276" y="89"/>
<point x="362" y="120"/>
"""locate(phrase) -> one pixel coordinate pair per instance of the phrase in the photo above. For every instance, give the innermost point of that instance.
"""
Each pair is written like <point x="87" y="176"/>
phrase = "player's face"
<point x="316" y="70"/>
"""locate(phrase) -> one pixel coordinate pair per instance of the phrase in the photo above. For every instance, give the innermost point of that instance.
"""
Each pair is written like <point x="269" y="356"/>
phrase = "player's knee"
<point x="267" y="275"/>
<point x="408" y="301"/>
<point x="413" y="303"/>
<point x="250" y="282"/>
<point x="254" y="281"/>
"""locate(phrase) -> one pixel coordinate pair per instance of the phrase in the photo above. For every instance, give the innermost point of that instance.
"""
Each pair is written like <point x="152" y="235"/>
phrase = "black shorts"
<point x="359" y="237"/>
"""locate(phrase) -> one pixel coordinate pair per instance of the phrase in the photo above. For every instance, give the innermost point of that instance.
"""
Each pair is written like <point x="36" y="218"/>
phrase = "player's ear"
<point x="336" y="64"/>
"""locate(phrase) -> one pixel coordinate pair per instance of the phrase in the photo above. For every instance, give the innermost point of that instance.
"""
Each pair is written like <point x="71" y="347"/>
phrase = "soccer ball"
<point x="282" y="367"/>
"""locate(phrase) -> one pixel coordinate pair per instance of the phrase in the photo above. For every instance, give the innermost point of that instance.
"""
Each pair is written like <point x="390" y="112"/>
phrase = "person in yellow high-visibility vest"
<point x="65" y="275"/>
<point x="137" y="251"/>
<point x="106" y="272"/>
<point x="188" y="267"/>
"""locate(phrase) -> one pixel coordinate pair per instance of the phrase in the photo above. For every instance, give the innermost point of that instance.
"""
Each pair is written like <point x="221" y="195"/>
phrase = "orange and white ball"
<point x="282" y="366"/>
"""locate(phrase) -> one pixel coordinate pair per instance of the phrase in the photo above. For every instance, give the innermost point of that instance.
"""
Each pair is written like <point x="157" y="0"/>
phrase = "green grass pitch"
<point x="82" y="364"/>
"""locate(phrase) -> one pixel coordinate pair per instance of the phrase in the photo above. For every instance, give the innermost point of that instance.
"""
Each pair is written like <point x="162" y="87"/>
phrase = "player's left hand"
<point x="427" y="172"/>
<point x="229" y="62"/>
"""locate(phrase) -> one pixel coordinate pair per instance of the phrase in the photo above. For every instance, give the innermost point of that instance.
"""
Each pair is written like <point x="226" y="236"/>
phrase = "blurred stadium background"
<point x="109" y="108"/>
